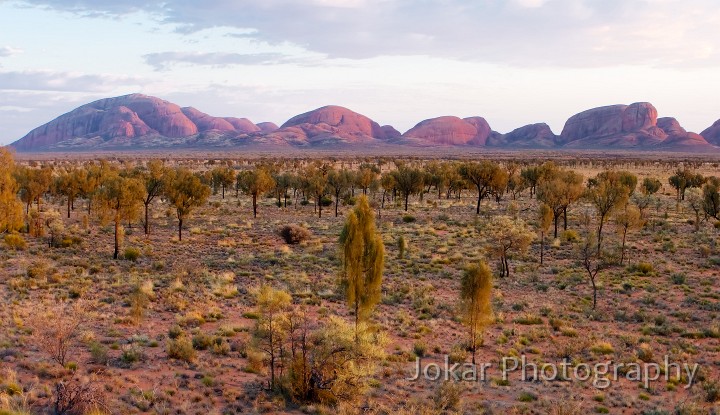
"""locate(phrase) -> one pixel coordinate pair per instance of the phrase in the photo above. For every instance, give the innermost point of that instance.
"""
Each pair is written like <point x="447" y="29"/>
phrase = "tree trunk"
<point x="594" y="287"/>
<point x="254" y="205"/>
<point x="407" y="197"/>
<point x="117" y="239"/>
<point x="542" y="247"/>
<point x="337" y="202"/>
<point x="622" y="250"/>
<point x="69" y="203"/>
<point x="319" y="205"/>
<point x="556" y="218"/>
<point x="477" y="209"/>
<point x="180" y="221"/>
<point x="565" y="218"/>
<point x="147" y="219"/>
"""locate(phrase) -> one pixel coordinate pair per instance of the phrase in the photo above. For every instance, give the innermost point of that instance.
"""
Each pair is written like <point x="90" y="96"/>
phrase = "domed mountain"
<point x="449" y="131"/>
<point x="712" y="133"/>
<point x="128" y="121"/>
<point x="332" y="125"/>
<point x="612" y="127"/>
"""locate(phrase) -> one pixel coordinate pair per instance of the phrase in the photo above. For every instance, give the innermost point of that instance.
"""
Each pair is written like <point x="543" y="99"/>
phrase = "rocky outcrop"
<point x="615" y="126"/>
<point x="679" y="138"/>
<point x="712" y="134"/>
<point x="530" y="136"/>
<point x="205" y="122"/>
<point x="267" y="127"/>
<point x="242" y="125"/>
<point x="333" y="118"/>
<point x="450" y="131"/>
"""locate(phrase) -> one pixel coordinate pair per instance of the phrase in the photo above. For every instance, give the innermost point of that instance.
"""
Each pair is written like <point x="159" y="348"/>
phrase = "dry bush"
<point x="77" y="398"/>
<point x="294" y="234"/>
<point x="15" y="241"/>
<point x="56" y="331"/>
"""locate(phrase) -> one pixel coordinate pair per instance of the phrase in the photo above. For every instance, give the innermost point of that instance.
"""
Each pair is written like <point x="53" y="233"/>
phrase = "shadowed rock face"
<point x="333" y="119"/>
<point x="242" y="125"/>
<point x="712" y="134"/>
<point x="205" y="122"/>
<point x="612" y="127"/>
<point x="530" y="136"/>
<point x="678" y="137"/>
<point x="267" y="127"/>
<point x="451" y="131"/>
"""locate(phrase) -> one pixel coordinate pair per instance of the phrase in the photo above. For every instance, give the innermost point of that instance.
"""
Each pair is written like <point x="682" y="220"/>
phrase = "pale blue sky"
<point x="513" y="62"/>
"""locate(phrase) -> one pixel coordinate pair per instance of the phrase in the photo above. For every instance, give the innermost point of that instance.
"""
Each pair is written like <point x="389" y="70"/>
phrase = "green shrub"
<point x="131" y="254"/>
<point x="643" y="268"/>
<point x="202" y="341"/>
<point x="294" y="234"/>
<point x="570" y="236"/>
<point x="14" y="241"/>
<point x="408" y="218"/>
<point x="678" y="279"/>
<point x="420" y="349"/>
<point x="181" y="349"/>
<point x="175" y="332"/>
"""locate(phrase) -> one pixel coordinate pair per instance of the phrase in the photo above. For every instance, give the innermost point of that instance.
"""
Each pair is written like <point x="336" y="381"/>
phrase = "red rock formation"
<point x="712" y="134"/>
<point x="332" y="125"/>
<point x="612" y="127"/>
<point x="450" y="131"/>
<point x="529" y="136"/>
<point x="267" y="127"/>
<point x="242" y="125"/>
<point x="389" y="132"/>
<point x="679" y="138"/>
<point x="205" y="122"/>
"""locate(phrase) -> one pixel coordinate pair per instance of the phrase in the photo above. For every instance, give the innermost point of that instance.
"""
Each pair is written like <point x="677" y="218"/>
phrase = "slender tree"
<point x="185" y="192"/>
<point x="223" y="177"/>
<point x="475" y="297"/>
<point x="363" y="259"/>
<point x="408" y="181"/>
<point x="11" y="210"/>
<point x="338" y="182"/>
<point x="627" y="220"/>
<point x="269" y="333"/>
<point x="482" y="175"/>
<point x="606" y="193"/>
<point x="154" y="178"/>
<point x="506" y="236"/>
<point x="545" y="219"/>
<point x="120" y="197"/>
<point x="256" y="183"/>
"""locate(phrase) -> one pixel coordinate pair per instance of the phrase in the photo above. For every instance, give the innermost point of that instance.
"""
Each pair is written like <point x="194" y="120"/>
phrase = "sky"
<point x="514" y="62"/>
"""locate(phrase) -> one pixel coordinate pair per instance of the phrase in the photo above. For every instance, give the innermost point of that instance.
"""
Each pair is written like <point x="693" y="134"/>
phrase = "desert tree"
<point x="629" y="180"/>
<point x="34" y="183"/>
<point x="559" y="189"/>
<point x="154" y="177"/>
<point x="507" y="236"/>
<point x="387" y="182"/>
<point x="695" y="201"/>
<point x="11" y="210"/>
<point x="255" y="183"/>
<point x="185" y="192"/>
<point x="119" y="199"/>
<point x="683" y="180"/>
<point x="606" y="193"/>
<point x="366" y="176"/>
<point x="91" y="178"/>
<point x="222" y="177"/>
<point x="711" y="198"/>
<point x="283" y="183"/>
<point x="269" y="334"/>
<point x="476" y="302"/>
<point x="643" y="201"/>
<point x="650" y="186"/>
<point x="499" y="184"/>
<point x="67" y="183"/>
<point x="545" y="220"/>
<point x="591" y="260"/>
<point x="531" y="176"/>
<point x="516" y="185"/>
<point x="338" y="182"/>
<point x="315" y="184"/>
<point x="363" y="260"/>
<point x="484" y="176"/>
<point x="627" y="220"/>
<point x="408" y="181"/>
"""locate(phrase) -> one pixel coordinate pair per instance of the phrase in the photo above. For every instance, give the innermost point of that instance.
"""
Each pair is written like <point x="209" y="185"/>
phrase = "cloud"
<point x="580" y="33"/>
<point x="6" y="51"/>
<point x="163" y="60"/>
<point x="62" y="81"/>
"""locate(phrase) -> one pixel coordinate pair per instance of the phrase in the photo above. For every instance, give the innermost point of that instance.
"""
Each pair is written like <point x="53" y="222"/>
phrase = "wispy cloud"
<point x="164" y="60"/>
<point x="577" y="33"/>
<point x="6" y="51"/>
<point x="62" y="81"/>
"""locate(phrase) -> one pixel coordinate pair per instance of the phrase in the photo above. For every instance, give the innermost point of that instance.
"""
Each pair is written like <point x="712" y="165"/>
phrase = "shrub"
<point x="131" y="254"/>
<point x="603" y="348"/>
<point x="99" y="353"/>
<point x="447" y="396"/>
<point x="326" y="201"/>
<point x="294" y="234"/>
<point x="181" y="349"/>
<point x="175" y="332"/>
<point x="408" y="218"/>
<point x="570" y="236"/>
<point x="712" y="391"/>
<point x="202" y="341"/>
<point x="678" y="279"/>
<point x="420" y="349"/>
<point x="644" y="268"/>
<point x="14" y="241"/>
